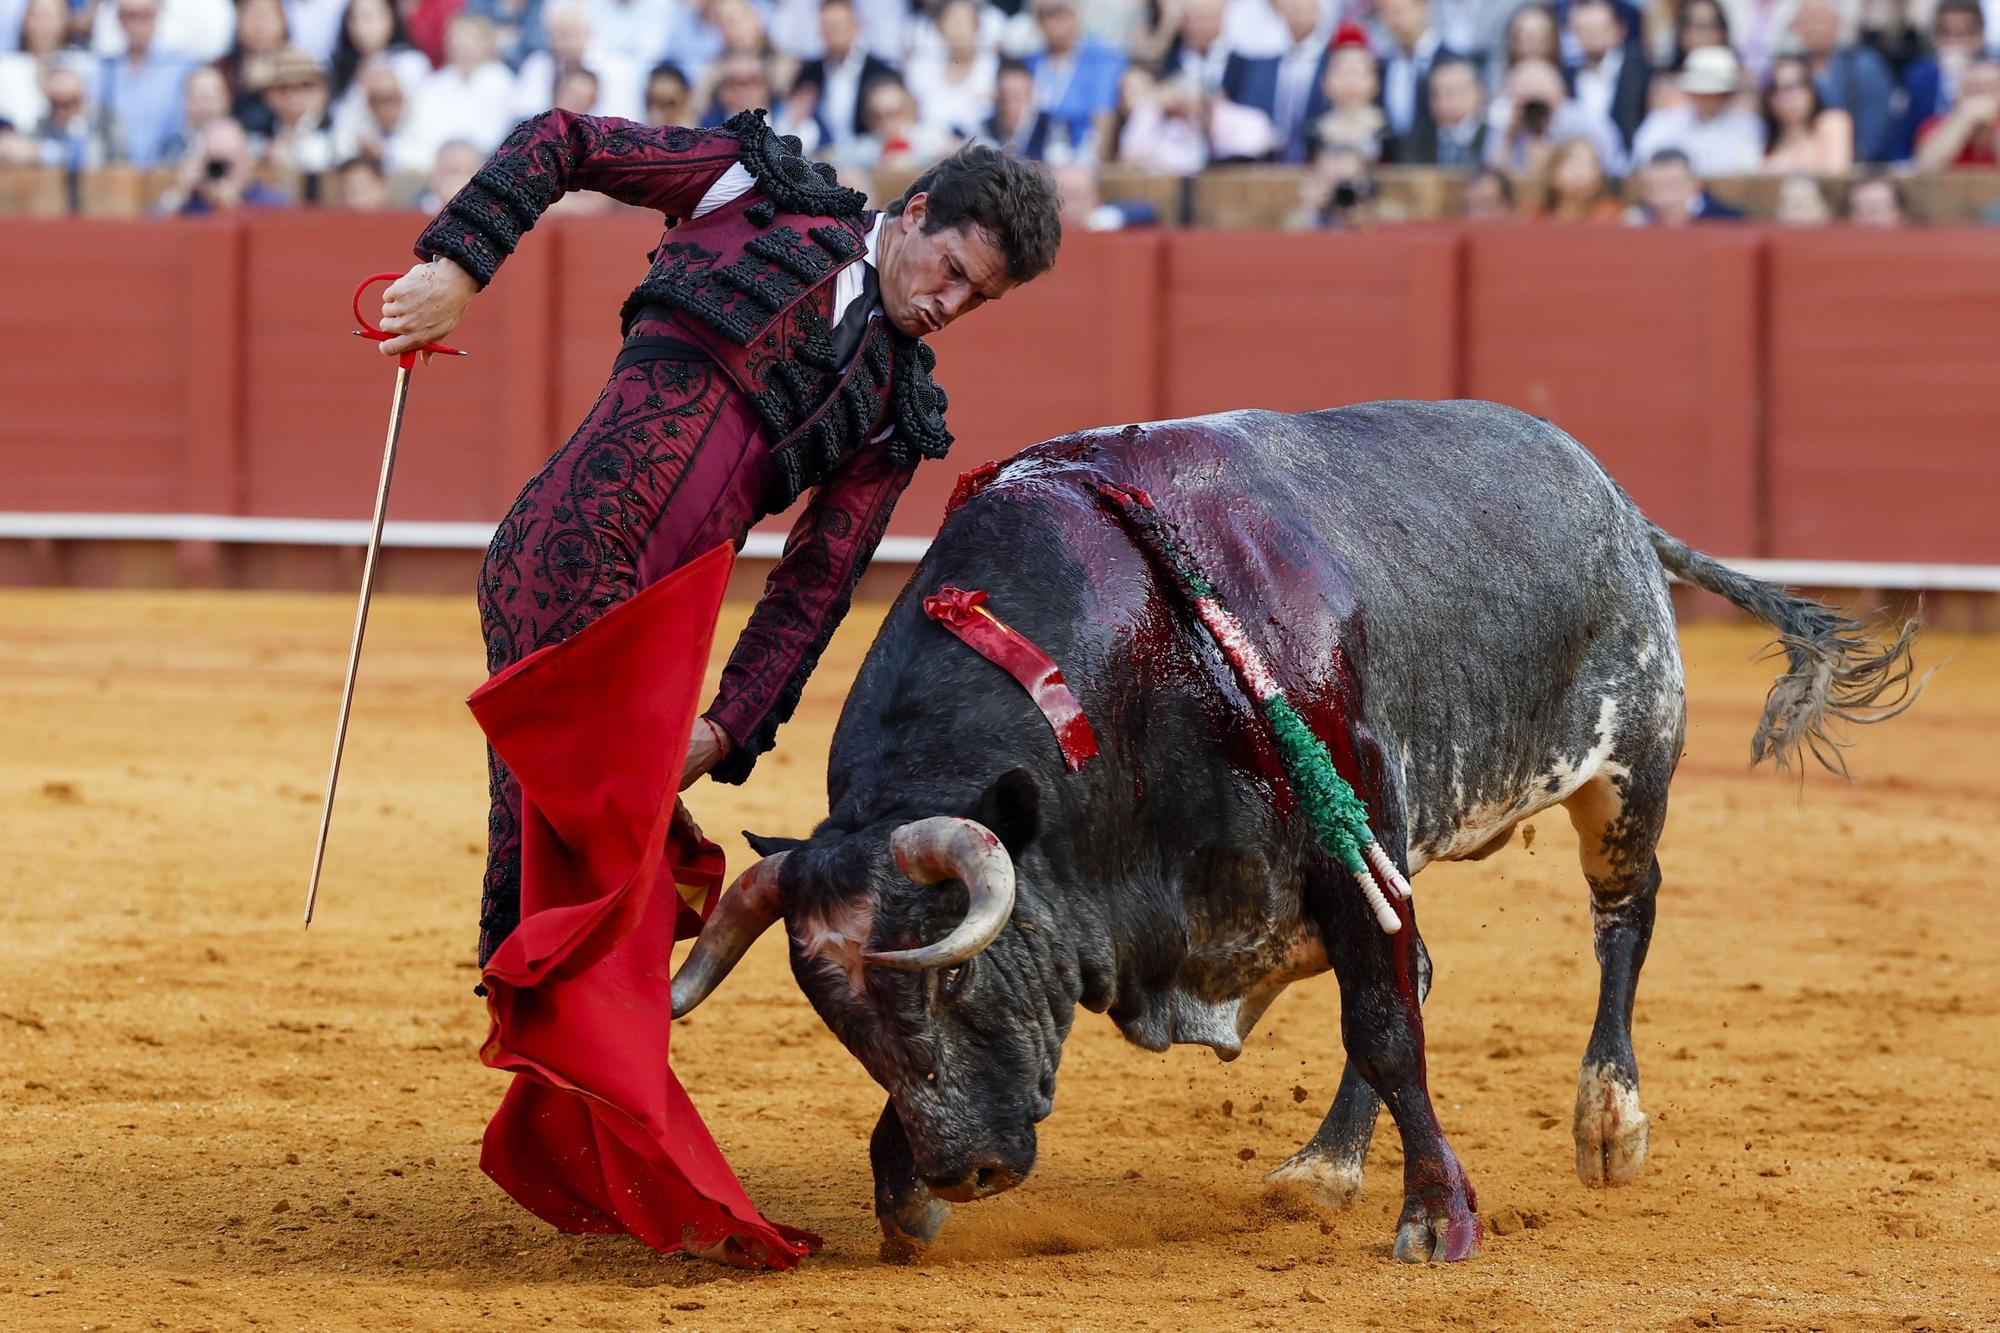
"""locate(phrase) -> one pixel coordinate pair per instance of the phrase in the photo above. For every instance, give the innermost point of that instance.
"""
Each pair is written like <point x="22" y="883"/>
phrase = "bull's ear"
<point x="764" y="846"/>
<point x="1012" y="808"/>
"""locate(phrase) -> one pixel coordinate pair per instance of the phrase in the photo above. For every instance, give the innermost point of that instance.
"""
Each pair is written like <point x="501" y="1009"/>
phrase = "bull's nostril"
<point x="982" y="1177"/>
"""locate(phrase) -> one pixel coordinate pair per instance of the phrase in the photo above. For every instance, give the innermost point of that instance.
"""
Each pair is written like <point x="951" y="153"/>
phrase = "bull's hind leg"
<point x="1331" y="1163"/>
<point x="1618" y="817"/>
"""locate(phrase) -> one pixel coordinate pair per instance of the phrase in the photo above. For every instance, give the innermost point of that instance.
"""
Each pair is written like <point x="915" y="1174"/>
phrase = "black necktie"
<point x="854" y="321"/>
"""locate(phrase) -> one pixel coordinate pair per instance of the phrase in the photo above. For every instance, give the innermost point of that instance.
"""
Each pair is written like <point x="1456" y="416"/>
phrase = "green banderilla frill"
<point x="1335" y="812"/>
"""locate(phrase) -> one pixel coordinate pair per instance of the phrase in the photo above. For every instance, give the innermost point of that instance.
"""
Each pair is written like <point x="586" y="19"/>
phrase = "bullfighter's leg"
<point x="910" y="1215"/>
<point x="569" y="550"/>
<point x="1618" y="816"/>
<point x="1332" y="1161"/>
<point x="1382" y="1023"/>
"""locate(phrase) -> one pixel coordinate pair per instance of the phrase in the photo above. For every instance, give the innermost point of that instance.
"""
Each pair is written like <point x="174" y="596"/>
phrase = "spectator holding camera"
<point x="221" y="177"/>
<point x="1339" y="193"/>
<point x="1534" y="114"/>
<point x="1931" y="85"/>
<point x="1714" y="135"/>
<point x="1801" y="134"/>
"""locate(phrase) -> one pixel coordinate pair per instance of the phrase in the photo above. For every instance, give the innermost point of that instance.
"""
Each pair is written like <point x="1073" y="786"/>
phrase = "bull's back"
<point x="1503" y="587"/>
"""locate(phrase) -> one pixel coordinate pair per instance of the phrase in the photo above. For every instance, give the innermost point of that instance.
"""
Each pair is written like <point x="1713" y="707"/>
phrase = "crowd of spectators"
<point x="1548" y="107"/>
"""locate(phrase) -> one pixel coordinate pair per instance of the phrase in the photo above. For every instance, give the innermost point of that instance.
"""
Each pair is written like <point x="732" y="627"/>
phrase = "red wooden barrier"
<point x="1822" y="395"/>
<point x="1644" y="346"/>
<point x="1884" y="416"/>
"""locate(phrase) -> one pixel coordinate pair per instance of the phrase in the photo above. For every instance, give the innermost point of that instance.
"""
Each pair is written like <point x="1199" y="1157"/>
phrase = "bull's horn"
<point x="949" y="847"/>
<point x="744" y="913"/>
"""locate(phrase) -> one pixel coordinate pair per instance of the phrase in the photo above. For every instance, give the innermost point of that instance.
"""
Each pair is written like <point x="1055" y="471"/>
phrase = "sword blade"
<point x="360" y="628"/>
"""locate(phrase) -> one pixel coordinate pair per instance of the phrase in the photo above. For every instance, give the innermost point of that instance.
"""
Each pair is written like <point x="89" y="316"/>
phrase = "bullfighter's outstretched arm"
<point x="805" y="598"/>
<point x="666" y="168"/>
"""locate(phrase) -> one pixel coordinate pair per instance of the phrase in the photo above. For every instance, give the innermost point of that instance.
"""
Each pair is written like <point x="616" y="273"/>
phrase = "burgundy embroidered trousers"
<point x="668" y="464"/>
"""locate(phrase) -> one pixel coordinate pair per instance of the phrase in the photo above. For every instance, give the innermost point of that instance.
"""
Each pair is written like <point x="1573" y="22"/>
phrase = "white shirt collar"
<point x="874" y="241"/>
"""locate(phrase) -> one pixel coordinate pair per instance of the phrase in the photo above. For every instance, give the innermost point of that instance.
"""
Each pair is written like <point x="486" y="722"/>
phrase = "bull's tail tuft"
<point x="1837" y="669"/>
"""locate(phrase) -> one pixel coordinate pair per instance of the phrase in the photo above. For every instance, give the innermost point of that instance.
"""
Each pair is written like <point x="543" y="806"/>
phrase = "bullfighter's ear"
<point x="764" y="846"/>
<point x="1012" y="808"/>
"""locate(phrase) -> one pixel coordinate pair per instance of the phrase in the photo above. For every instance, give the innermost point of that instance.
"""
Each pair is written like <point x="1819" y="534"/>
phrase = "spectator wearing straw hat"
<point x="1718" y="137"/>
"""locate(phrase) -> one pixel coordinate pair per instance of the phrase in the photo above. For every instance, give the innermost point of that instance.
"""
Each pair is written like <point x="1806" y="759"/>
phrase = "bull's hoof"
<point x="910" y="1230"/>
<point x="1611" y="1130"/>
<point x="1444" y="1237"/>
<point x="1440" y="1224"/>
<point x="1334" y="1182"/>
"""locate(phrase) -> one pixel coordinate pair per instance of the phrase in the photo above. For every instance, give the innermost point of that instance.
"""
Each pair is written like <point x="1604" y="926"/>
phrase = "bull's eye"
<point x="949" y="979"/>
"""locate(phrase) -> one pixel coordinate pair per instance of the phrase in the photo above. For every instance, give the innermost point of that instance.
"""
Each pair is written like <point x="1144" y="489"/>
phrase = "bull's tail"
<point x="1837" y="670"/>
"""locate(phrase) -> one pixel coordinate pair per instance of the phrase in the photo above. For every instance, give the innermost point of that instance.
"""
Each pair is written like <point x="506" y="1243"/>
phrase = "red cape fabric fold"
<point x="596" y="1133"/>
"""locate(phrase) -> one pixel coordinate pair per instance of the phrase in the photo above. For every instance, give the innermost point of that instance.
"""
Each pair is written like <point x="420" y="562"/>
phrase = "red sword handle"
<point x="373" y="334"/>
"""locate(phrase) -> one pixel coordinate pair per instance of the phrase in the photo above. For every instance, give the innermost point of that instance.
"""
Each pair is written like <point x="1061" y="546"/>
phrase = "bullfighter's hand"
<point x="706" y="748"/>
<point x="425" y="304"/>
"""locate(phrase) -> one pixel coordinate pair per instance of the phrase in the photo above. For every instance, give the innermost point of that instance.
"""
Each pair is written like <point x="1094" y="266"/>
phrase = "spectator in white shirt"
<point x="1719" y="137"/>
<point x="1161" y="124"/>
<point x="571" y="48"/>
<point x="954" y="86"/>
<point x="196" y="30"/>
<point x="371" y="28"/>
<point x="1411" y="47"/>
<point x="1198" y="51"/>
<point x="44" y="29"/>
<point x="469" y="98"/>
<point x="1610" y="77"/>
<point x="315" y="26"/>
<point x="637" y="29"/>
<point x="376" y="123"/>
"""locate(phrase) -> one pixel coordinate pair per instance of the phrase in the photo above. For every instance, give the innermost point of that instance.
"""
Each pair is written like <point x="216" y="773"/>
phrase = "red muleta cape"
<point x="596" y="1133"/>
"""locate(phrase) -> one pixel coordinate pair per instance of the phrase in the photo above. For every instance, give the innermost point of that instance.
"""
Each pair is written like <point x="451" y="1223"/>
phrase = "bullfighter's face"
<point x="966" y="1052"/>
<point x="931" y="277"/>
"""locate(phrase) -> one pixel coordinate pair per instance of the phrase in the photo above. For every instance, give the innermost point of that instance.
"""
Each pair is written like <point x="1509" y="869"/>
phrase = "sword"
<point x="404" y="364"/>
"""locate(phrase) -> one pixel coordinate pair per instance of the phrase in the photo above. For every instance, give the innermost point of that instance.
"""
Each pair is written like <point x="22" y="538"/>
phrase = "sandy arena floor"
<point x="216" y="1120"/>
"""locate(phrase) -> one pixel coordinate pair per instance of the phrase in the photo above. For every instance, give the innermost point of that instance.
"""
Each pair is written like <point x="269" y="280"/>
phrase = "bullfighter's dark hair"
<point x="1012" y="199"/>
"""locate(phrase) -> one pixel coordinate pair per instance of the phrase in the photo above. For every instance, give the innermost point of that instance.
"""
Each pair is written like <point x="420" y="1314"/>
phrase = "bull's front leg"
<point x="910" y="1215"/>
<point x="1331" y="1163"/>
<point x="1382" y="1024"/>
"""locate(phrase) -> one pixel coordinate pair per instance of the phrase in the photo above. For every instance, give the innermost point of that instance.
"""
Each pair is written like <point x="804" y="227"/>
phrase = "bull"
<point x="1466" y="606"/>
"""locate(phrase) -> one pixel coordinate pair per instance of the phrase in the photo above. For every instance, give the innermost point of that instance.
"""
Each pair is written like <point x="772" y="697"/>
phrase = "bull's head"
<point x="911" y="941"/>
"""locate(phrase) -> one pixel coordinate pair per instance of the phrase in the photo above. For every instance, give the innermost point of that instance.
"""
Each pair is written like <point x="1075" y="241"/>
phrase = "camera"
<point x="1535" y="117"/>
<point x="217" y="168"/>
<point x="1353" y="192"/>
